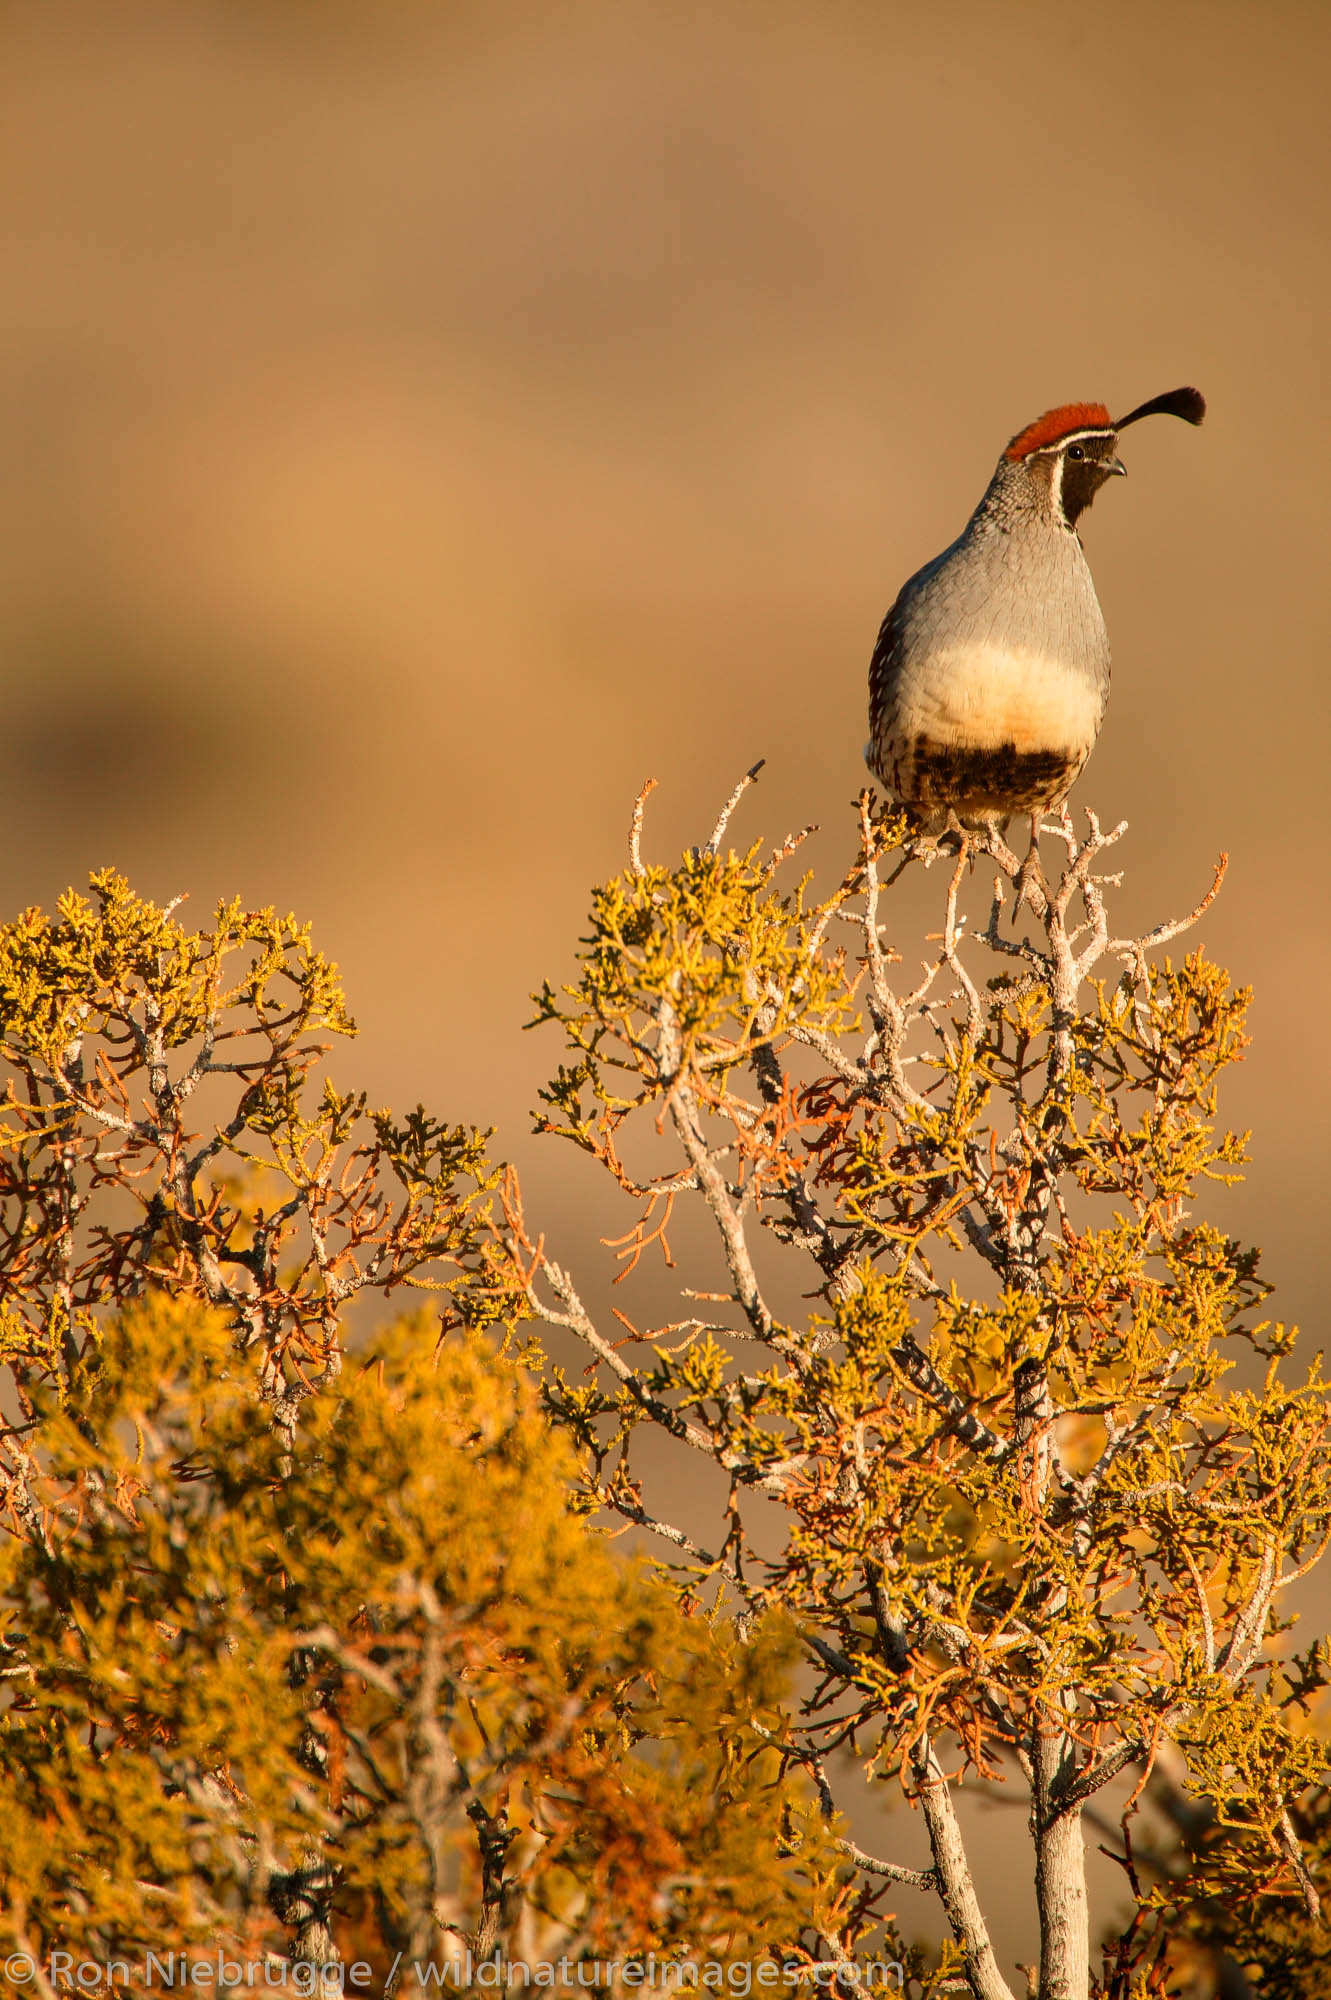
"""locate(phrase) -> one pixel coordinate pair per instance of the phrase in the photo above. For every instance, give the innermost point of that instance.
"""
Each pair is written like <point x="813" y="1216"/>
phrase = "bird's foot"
<point x="1031" y="886"/>
<point x="960" y="839"/>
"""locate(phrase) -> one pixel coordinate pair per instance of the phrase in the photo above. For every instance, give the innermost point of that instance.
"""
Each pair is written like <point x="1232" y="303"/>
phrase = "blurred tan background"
<point x="422" y="423"/>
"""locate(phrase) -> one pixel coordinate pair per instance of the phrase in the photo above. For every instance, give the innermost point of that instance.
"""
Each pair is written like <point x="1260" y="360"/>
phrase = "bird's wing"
<point x="882" y="669"/>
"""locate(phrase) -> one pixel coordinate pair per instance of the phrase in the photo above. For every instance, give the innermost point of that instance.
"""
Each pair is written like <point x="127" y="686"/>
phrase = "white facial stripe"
<point x="1058" y="452"/>
<point x="1056" y="489"/>
<point x="1073" y="437"/>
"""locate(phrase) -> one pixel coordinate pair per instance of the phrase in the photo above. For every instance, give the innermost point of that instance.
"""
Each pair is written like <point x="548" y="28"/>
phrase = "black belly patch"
<point x="998" y="780"/>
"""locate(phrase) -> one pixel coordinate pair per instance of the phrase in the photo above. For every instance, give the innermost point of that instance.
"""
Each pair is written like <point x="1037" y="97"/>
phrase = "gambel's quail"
<point x="989" y="679"/>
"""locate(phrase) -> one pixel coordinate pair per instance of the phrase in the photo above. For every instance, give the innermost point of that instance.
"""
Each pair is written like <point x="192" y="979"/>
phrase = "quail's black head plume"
<point x="1190" y="404"/>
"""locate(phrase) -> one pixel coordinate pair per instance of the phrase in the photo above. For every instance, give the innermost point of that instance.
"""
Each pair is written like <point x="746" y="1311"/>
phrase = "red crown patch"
<point x="1059" y="423"/>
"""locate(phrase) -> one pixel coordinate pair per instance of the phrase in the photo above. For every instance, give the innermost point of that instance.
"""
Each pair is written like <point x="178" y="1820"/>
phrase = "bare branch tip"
<point x="635" y="828"/>
<point x="791" y="842"/>
<point x="718" y="831"/>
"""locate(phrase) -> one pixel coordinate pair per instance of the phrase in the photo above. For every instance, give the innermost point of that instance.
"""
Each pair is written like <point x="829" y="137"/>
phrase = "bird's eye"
<point x="1075" y="451"/>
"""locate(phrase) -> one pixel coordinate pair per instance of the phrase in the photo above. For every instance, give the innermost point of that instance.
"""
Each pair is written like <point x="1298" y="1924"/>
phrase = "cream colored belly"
<point x="985" y="696"/>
